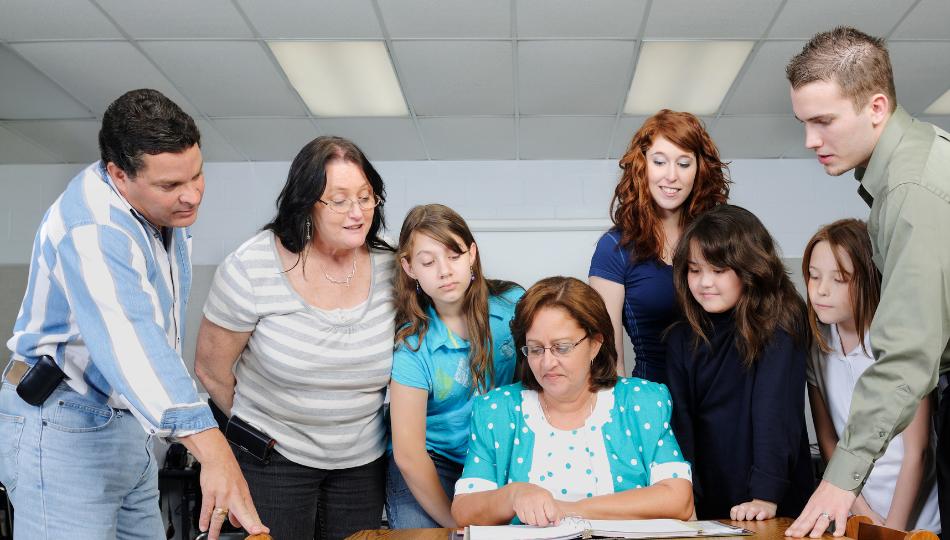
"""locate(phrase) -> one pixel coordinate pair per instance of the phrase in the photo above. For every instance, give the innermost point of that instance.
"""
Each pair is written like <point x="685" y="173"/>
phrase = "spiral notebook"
<point x="571" y="528"/>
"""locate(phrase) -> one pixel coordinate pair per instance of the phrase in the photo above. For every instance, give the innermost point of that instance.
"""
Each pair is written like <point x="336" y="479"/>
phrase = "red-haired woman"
<point x="671" y="174"/>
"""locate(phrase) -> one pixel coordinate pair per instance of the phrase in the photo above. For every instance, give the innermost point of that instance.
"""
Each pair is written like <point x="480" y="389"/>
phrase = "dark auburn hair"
<point x="141" y="122"/>
<point x="732" y="237"/>
<point x="859" y="63"/>
<point x="851" y="237"/>
<point x="586" y="307"/>
<point x="306" y="183"/>
<point x="447" y="227"/>
<point x="632" y="208"/>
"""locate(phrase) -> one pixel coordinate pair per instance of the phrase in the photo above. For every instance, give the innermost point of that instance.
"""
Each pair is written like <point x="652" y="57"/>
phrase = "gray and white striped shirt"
<point x="312" y="379"/>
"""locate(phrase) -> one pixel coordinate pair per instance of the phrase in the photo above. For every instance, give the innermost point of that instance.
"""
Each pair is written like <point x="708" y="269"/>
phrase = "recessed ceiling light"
<point x="691" y="76"/>
<point x="941" y="106"/>
<point x="345" y="78"/>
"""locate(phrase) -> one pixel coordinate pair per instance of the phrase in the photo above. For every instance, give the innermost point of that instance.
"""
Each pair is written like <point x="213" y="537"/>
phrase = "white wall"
<point x="531" y="218"/>
<point x="535" y="218"/>
<point x="521" y="210"/>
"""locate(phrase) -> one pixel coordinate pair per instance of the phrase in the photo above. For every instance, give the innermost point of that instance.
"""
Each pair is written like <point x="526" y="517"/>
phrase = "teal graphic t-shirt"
<point x="441" y="367"/>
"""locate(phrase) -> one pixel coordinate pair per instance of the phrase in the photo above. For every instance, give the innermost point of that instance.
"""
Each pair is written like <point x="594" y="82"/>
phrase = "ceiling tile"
<point x="595" y="82"/>
<point x="763" y="88"/>
<point x="203" y="69"/>
<point x="623" y="133"/>
<point x="469" y="138"/>
<point x="76" y="141"/>
<point x="801" y="19"/>
<point x="588" y="19"/>
<point x="571" y="137"/>
<point x="742" y="137"/>
<point x="15" y="148"/>
<point x="214" y="147"/>
<point x="379" y="138"/>
<point x="920" y="72"/>
<point x="447" y="18"/>
<point x="456" y="77"/>
<point x="928" y="20"/>
<point x="143" y="19"/>
<point x="267" y="139"/>
<point x="306" y="19"/>
<point x="50" y="19"/>
<point x="628" y="127"/>
<point x="732" y="19"/>
<point x="98" y="83"/>
<point x="27" y="93"/>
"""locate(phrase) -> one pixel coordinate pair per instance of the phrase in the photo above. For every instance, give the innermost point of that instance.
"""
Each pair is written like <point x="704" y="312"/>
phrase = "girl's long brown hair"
<point x="732" y="237"/>
<point x="864" y="283"/>
<point x="444" y="225"/>
<point x="632" y="208"/>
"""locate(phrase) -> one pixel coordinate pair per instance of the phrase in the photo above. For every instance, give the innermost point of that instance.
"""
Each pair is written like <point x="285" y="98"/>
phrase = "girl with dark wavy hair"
<point x="736" y="370"/>
<point x="454" y="342"/>
<point x="671" y="174"/>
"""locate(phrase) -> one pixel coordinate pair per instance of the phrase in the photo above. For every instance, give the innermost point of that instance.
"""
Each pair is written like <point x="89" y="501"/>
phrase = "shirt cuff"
<point x="848" y="470"/>
<point x="672" y="469"/>
<point x="766" y="487"/>
<point x="184" y="421"/>
<point x="473" y="485"/>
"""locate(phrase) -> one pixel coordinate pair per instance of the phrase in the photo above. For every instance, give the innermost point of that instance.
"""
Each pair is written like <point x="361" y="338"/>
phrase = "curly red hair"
<point x="632" y="208"/>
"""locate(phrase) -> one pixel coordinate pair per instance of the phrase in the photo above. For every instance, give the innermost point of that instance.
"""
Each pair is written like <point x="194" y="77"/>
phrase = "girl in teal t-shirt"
<point x="453" y="343"/>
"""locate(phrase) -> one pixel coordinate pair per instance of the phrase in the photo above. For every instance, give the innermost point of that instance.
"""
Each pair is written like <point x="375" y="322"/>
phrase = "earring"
<point x="309" y="225"/>
<point x="473" y="274"/>
<point x="418" y="288"/>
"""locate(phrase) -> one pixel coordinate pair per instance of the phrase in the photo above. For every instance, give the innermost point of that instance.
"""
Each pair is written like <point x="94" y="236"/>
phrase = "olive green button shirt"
<point x="908" y="178"/>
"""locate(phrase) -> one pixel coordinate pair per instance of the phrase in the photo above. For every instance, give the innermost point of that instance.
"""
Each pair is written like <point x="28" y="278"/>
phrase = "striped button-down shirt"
<point x="106" y="299"/>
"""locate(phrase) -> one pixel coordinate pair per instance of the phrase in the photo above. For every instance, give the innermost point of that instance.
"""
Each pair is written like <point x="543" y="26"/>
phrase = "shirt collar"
<point x="152" y="229"/>
<point x="873" y="177"/>
<point x="438" y="334"/>
<point x="836" y="344"/>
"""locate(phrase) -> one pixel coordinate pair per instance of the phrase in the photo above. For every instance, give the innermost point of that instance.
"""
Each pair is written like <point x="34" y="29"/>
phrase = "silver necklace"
<point x="346" y="280"/>
<point x="544" y="410"/>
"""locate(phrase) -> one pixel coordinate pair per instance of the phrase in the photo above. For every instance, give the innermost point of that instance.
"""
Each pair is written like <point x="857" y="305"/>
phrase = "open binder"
<point x="570" y="528"/>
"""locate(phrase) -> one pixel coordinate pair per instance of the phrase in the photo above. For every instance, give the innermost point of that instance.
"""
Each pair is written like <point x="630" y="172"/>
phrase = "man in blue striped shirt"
<point x="109" y="281"/>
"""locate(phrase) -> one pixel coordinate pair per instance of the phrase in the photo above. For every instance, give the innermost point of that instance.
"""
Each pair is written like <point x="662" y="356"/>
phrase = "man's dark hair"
<point x="144" y="122"/>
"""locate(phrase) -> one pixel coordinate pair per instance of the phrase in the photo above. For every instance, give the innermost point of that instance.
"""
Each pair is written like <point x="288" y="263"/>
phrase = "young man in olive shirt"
<point x="842" y="89"/>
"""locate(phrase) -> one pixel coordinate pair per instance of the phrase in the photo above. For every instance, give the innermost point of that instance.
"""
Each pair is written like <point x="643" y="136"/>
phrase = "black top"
<point x="742" y="428"/>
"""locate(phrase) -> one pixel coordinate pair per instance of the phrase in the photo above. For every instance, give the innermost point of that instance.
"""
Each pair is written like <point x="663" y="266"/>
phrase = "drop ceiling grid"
<point x="66" y="54"/>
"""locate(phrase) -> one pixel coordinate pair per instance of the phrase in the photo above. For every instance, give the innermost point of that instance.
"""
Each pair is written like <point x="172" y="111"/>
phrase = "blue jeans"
<point x="77" y="469"/>
<point x="402" y="510"/>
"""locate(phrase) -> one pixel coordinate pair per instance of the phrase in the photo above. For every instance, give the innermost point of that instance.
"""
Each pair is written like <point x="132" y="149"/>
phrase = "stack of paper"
<point x="570" y="528"/>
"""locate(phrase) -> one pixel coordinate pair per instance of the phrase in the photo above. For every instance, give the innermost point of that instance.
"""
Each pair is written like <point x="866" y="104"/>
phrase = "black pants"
<point x="302" y="503"/>
<point x="943" y="460"/>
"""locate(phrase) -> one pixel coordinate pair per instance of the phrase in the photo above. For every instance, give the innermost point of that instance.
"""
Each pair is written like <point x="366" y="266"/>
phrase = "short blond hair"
<point x="859" y="63"/>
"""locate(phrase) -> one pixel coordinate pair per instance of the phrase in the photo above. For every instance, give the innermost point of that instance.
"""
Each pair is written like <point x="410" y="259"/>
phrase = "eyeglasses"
<point x="344" y="206"/>
<point x="558" y="349"/>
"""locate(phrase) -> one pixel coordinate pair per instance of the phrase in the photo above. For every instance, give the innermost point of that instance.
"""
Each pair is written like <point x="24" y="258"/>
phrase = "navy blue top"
<point x="649" y="304"/>
<point x="742" y="428"/>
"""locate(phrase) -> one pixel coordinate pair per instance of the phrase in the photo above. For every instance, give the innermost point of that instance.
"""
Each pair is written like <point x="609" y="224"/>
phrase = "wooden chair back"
<point x="861" y="528"/>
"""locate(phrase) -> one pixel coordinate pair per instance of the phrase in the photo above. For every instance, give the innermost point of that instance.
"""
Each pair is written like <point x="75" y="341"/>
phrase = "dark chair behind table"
<point x="861" y="528"/>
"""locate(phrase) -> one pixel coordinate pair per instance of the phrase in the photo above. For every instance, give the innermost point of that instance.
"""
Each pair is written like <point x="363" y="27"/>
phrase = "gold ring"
<point x="223" y="512"/>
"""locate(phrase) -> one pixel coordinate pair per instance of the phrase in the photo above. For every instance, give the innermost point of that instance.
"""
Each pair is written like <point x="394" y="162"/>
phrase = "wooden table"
<point x="773" y="529"/>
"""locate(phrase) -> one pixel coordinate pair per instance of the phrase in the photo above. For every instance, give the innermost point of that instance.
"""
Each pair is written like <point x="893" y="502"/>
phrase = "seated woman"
<point x="571" y="439"/>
